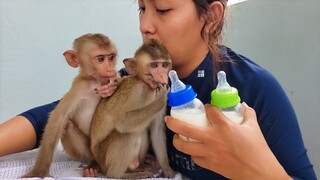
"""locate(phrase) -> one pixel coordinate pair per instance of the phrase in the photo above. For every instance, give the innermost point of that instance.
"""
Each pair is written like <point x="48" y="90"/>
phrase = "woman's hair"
<point x="214" y="37"/>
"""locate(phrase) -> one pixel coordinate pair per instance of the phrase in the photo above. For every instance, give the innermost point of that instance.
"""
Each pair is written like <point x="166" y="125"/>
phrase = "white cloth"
<point x="16" y="165"/>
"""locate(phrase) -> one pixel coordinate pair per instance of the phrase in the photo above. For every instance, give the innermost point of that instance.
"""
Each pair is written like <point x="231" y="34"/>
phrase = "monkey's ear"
<point x="130" y="65"/>
<point x="71" y="58"/>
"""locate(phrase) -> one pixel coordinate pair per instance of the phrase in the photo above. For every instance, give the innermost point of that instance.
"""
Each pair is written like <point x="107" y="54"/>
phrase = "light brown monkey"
<point x="71" y="119"/>
<point x="119" y="130"/>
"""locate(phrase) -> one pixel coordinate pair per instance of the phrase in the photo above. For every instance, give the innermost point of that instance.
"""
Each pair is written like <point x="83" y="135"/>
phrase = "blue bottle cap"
<point x="181" y="97"/>
<point x="180" y="93"/>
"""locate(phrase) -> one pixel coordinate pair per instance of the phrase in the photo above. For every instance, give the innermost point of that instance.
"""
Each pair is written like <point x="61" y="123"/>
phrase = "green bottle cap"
<point x="224" y="95"/>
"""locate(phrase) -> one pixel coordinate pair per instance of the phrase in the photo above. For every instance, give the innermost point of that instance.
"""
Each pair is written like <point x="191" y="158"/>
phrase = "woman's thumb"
<point x="249" y="115"/>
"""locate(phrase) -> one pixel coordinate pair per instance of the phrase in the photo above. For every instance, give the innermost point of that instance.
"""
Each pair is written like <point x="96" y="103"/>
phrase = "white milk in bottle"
<point x="184" y="104"/>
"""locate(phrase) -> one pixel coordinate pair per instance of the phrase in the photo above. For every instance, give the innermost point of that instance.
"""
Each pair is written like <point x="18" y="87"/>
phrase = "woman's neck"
<point x="190" y="63"/>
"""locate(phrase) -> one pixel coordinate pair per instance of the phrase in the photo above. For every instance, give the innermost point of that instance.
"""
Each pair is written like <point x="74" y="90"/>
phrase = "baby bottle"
<point x="184" y="104"/>
<point x="227" y="99"/>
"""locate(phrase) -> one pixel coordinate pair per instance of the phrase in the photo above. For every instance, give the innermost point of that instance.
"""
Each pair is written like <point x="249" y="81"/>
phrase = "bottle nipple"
<point x="224" y="95"/>
<point x="176" y="84"/>
<point x="223" y="86"/>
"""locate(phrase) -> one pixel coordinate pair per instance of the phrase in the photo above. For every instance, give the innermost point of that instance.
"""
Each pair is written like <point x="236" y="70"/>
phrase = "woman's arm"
<point x="16" y="135"/>
<point x="24" y="132"/>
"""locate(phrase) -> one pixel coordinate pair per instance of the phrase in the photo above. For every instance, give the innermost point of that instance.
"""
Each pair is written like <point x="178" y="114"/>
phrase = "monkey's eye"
<point x="154" y="64"/>
<point x="111" y="57"/>
<point x="165" y="64"/>
<point x="100" y="58"/>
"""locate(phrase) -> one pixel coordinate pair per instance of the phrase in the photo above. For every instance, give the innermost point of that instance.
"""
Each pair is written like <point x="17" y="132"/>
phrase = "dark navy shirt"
<point x="259" y="89"/>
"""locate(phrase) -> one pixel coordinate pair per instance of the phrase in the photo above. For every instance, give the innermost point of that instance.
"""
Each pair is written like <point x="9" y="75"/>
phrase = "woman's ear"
<point x="71" y="58"/>
<point x="216" y="13"/>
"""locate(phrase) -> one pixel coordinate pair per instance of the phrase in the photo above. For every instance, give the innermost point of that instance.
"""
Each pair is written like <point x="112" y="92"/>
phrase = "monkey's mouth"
<point x="155" y="85"/>
<point x="105" y="80"/>
<point x="161" y="85"/>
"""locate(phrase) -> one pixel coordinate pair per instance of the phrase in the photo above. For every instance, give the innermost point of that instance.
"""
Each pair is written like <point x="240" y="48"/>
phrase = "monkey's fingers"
<point x="107" y="90"/>
<point x="168" y="173"/>
<point x="89" y="172"/>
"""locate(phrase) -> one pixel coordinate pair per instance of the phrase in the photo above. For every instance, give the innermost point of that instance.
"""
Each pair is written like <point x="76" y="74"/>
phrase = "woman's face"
<point x="175" y="23"/>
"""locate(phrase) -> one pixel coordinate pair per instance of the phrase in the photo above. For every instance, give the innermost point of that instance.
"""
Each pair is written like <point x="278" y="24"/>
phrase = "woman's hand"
<point x="232" y="150"/>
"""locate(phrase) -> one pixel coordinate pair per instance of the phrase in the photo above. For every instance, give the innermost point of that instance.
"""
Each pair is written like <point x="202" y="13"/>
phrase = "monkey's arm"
<point x="139" y="119"/>
<point x="110" y="110"/>
<point x="53" y="131"/>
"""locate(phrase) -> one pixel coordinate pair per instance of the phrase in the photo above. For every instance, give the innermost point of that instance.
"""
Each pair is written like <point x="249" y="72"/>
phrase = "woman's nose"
<point x="147" y="23"/>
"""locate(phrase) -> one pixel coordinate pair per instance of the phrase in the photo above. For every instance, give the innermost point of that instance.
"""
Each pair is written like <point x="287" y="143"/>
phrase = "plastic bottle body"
<point x="192" y="113"/>
<point x="234" y="113"/>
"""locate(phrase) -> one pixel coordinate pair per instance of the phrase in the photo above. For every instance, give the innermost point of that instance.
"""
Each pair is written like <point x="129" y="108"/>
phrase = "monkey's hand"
<point x="168" y="173"/>
<point x="161" y="93"/>
<point x="108" y="89"/>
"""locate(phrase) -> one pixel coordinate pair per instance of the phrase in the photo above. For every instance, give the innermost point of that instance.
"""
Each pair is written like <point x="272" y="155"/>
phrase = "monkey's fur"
<point x="119" y="130"/>
<point x="71" y="119"/>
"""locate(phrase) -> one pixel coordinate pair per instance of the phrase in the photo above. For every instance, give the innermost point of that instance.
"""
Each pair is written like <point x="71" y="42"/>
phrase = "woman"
<point x="267" y="145"/>
<point x="189" y="29"/>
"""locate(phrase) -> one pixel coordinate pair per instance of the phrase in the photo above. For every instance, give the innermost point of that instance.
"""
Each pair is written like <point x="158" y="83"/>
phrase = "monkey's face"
<point x="103" y="62"/>
<point x="153" y="72"/>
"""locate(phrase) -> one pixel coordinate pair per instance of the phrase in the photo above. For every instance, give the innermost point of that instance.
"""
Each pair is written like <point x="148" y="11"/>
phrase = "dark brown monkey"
<point x="71" y="119"/>
<point x="119" y="130"/>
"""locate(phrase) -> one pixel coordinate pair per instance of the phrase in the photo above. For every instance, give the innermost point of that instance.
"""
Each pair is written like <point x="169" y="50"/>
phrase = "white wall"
<point x="281" y="35"/>
<point x="35" y="33"/>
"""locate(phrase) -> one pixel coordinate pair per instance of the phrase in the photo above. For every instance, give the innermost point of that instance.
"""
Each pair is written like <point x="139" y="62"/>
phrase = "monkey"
<point x="122" y="122"/>
<point x="70" y="121"/>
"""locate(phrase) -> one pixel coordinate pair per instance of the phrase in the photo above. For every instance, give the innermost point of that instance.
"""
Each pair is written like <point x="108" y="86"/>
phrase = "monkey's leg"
<point x="142" y="171"/>
<point x="140" y="150"/>
<point x="120" y="153"/>
<point x="158" y="141"/>
<point x="144" y="146"/>
<point x="76" y="144"/>
<point x="148" y="163"/>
